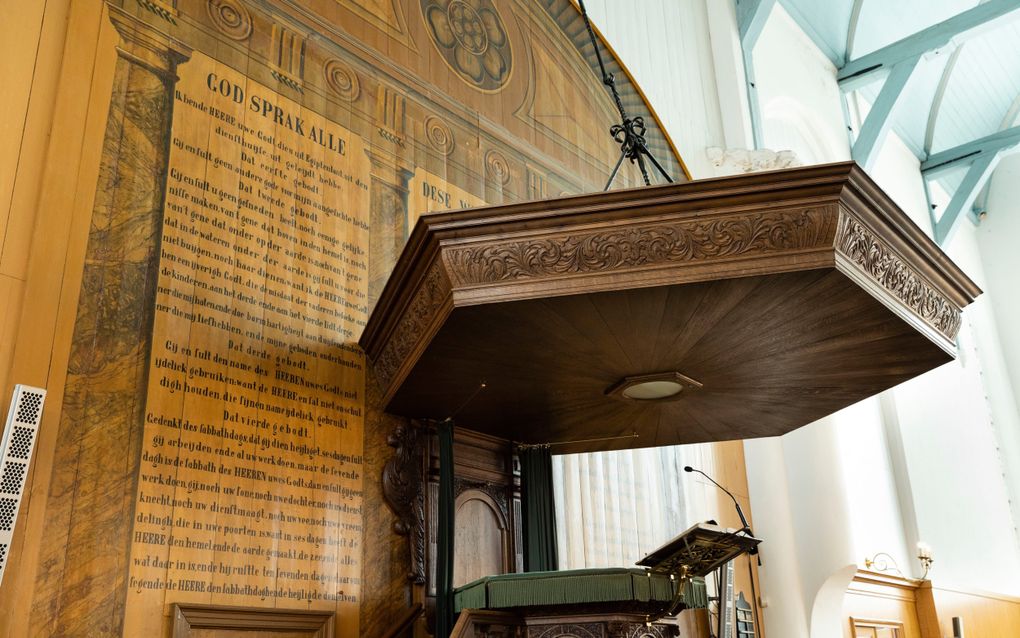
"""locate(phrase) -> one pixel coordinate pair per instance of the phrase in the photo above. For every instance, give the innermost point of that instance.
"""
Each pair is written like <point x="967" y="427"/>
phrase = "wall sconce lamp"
<point x="882" y="562"/>
<point x="926" y="556"/>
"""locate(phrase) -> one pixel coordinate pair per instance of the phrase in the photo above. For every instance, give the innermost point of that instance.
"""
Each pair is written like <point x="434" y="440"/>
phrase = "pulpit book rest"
<point x="697" y="552"/>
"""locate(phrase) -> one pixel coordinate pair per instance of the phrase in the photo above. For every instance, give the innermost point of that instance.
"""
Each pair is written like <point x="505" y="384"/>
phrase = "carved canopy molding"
<point x="787" y="295"/>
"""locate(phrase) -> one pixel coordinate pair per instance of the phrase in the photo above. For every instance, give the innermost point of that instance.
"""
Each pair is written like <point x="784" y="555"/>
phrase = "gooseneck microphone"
<point x="740" y="513"/>
<point x="747" y="529"/>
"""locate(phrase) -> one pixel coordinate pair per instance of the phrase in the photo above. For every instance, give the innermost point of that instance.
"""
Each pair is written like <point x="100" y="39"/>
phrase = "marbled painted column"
<point x="385" y="589"/>
<point x="388" y="218"/>
<point x="80" y="587"/>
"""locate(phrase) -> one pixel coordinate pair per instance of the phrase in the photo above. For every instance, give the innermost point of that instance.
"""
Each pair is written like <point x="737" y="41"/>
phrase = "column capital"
<point x="389" y="167"/>
<point x="146" y="45"/>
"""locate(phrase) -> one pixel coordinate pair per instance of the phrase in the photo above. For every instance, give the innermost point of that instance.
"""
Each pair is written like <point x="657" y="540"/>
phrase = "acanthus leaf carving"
<point x="498" y="493"/>
<point x="427" y="301"/>
<point x="403" y="489"/>
<point x="864" y="249"/>
<point x="641" y="245"/>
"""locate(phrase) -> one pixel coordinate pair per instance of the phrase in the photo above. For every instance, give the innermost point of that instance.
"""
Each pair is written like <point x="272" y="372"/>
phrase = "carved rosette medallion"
<point x="230" y="17"/>
<point x="439" y="135"/>
<point x="472" y="39"/>
<point x="341" y="79"/>
<point x="428" y="300"/>
<point x="614" y="249"/>
<point x="497" y="168"/>
<point x="878" y="261"/>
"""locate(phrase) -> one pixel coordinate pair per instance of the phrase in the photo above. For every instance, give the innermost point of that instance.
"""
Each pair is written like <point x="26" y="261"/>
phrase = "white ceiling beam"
<point x="751" y="18"/>
<point x="949" y="32"/>
<point x="879" y="121"/>
<point x="957" y="156"/>
<point x="851" y="29"/>
<point x="963" y="199"/>
<point x="980" y="156"/>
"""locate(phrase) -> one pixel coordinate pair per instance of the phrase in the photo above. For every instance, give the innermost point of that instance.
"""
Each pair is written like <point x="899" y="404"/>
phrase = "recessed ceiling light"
<point x="660" y="386"/>
<point x="652" y="390"/>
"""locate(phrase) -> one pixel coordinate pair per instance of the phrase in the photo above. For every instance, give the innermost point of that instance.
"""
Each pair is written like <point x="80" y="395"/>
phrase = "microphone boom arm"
<point x="740" y="513"/>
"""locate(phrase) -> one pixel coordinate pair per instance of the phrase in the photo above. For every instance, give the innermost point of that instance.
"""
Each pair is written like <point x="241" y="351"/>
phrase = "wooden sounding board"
<point x="777" y="298"/>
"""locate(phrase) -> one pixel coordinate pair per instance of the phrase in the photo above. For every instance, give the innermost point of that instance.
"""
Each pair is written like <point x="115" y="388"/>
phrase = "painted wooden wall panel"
<point x="154" y="261"/>
<point x="80" y="96"/>
<point x="983" y="613"/>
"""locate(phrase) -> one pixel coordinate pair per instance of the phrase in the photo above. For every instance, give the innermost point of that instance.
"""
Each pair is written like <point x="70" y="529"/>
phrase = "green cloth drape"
<point x="444" y="560"/>
<point x="537" y="510"/>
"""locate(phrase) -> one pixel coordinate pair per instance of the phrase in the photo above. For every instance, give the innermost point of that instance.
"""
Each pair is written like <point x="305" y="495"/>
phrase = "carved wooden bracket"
<point x="403" y="488"/>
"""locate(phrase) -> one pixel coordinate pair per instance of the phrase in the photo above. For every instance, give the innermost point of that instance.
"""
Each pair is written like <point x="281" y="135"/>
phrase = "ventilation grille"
<point x="20" y="435"/>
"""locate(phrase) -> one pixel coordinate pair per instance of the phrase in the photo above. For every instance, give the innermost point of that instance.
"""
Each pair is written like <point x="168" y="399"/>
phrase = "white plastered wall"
<point x="997" y="239"/>
<point x="930" y="459"/>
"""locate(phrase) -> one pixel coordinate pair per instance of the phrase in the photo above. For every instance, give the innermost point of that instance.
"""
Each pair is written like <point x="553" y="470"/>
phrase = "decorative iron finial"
<point x="630" y="134"/>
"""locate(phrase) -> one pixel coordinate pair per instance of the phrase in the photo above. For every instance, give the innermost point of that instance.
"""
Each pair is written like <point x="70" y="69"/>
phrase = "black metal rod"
<point x="630" y="133"/>
<point x="526" y="446"/>
<point x="644" y="171"/>
<point x="616" y="169"/>
<point x="659" y="166"/>
<point x="607" y="78"/>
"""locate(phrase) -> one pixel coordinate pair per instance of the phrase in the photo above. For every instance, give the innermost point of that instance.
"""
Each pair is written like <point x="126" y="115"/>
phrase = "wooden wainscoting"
<point x="218" y="621"/>
<point x="983" y="613"/>
<point x="880" y="605"/>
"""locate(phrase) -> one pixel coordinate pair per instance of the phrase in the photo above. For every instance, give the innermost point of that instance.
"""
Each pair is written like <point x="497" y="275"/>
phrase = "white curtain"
<point x="613" y="508"/>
